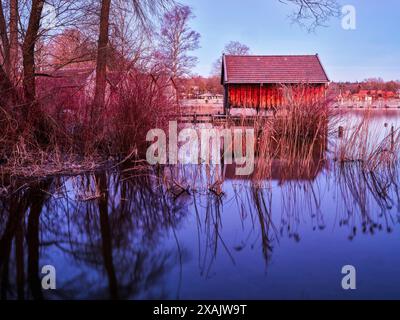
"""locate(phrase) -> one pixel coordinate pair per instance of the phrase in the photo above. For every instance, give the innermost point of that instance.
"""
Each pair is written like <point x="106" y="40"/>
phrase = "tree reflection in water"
<point x="113" y="229"/>
<point x="116" y="231"/>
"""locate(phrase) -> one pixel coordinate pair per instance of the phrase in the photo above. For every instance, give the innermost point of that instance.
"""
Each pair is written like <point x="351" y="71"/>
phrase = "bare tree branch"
<point x="313" y="13"/>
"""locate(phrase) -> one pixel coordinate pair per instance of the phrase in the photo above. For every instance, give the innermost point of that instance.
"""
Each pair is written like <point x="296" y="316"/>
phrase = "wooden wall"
<point x="269" y="96"/>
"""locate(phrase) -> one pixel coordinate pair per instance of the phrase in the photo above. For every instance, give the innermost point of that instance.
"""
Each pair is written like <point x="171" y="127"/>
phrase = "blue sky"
<point x="372" y="50"/>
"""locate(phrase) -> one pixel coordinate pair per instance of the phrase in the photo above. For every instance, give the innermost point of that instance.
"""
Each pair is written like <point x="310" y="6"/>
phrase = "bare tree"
<point x="26" y="20"/>
<point x="232" y="48"/>
<point x="131" y="44"/>
<point x="236" y="48"/>
<point x="71" y="48"/>
<point x="142" y="11"/>
<point x="10" y="46"/>
<point x="176" y="40"/>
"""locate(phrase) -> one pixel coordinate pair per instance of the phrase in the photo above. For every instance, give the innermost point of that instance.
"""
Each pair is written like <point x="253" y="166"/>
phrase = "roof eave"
<point x="323" y="68"/>
<point x="278" y="82"/>
<point x="225" y="70"/>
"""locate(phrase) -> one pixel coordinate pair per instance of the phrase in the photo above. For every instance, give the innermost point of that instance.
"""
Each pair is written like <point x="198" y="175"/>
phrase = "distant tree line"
<point x="367" y="84"/>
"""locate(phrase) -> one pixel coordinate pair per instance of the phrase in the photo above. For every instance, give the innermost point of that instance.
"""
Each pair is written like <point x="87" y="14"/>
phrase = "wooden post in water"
<point x="341" y="132"/>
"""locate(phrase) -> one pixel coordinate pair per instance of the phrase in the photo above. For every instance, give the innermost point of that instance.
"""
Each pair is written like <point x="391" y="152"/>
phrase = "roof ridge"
<point x="272" y="55"/>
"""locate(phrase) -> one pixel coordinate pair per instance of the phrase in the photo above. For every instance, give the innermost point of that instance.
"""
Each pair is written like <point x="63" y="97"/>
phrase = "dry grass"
<point x="24" y="162"/>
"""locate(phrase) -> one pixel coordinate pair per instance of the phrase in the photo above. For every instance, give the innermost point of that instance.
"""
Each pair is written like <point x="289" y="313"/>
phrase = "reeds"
<point x="369" y="145"/>
<point x="296" y="139"/>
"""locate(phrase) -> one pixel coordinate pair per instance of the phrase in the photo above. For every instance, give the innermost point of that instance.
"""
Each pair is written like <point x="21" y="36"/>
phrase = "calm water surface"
<point x="133" y="234"/>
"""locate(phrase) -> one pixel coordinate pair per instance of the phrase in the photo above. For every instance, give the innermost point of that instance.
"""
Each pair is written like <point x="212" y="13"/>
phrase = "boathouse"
<point x="259" y="81"/>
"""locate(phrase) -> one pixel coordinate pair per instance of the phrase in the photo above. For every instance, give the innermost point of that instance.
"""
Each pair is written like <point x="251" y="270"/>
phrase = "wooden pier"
<point x="219" y="118"/>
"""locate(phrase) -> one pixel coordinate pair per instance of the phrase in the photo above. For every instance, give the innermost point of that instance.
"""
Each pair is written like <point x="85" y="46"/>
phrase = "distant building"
<point x="72" y="88"/>
<point x="362" y="96"/>
<point x="66" y="89"/>
<point x="390" y="95"/>
<point x="256" y="81"/>
<point x="368" y="96"/>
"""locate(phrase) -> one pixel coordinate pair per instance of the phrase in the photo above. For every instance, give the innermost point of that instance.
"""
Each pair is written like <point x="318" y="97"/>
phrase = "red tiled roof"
<point x="274" y="69"/>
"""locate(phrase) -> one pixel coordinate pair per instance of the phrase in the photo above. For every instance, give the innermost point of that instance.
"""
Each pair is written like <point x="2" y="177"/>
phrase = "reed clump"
<point x="295" y="140"/>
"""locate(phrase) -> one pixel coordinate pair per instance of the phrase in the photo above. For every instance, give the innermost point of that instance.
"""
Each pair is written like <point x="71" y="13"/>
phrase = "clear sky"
<point x="371" y="50"/>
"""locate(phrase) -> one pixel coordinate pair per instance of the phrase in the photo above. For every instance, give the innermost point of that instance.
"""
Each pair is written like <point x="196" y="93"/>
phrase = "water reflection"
<point x="370" y="196"/>
<point x="200" y="231"/>
<point x="102" y="223"/>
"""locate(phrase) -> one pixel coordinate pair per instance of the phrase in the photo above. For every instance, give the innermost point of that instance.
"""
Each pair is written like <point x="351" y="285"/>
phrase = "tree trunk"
<point x="4" y="40"/>
<point x="28" y="53"/>
<point x="8" y="94"/>
<point x="37" y="199"/>
<point x="13" y="40"/>
<point x="33" y="249"/>
<point x="19" y="260"/>
<point x="101" y="68"/>
<point x="16" y="214"/>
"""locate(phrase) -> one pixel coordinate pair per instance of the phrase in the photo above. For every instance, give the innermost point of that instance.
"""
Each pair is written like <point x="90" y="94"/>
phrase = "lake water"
<point x="197" y="232"/>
